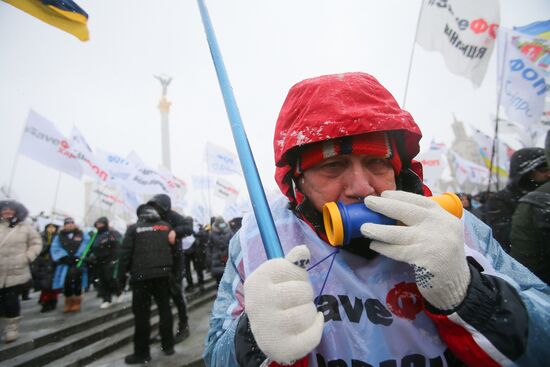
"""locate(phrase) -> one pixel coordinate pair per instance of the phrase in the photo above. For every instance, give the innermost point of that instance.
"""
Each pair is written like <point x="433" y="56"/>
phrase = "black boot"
<point x="182" y="334"/>
<point x="135" y="359"/>
<point x="48" y="306"/>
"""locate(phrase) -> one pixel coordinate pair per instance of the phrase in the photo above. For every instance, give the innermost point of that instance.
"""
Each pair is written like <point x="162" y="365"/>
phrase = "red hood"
<point x="333" y="106"/>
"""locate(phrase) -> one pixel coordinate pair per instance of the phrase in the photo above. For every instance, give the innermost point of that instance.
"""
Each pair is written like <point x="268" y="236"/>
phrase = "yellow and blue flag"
<point x="63" y="14"/>
<point x="537" y="29"/>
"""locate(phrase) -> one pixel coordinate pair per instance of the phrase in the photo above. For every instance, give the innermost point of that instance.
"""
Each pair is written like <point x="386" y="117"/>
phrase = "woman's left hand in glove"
<point x="430" y="239"/>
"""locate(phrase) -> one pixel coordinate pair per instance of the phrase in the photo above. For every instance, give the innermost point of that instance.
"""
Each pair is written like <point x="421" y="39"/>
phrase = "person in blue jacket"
<point x="66" y="250"/>
<point x="435" y="290"/>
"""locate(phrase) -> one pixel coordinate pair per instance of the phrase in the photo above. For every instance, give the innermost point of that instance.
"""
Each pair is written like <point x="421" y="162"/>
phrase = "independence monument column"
<point x="164" y="108"/>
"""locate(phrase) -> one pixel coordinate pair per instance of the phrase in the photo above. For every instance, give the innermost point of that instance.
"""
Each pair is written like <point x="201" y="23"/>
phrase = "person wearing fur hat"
<point x="20" y="244"/>
<point x="530" y="233"/>
<point x="66" y="250"/>
<point x="435" y="290"/>
<point x="43" y="268"/>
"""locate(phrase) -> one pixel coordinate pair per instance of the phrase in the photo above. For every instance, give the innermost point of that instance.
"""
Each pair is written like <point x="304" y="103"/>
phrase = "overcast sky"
<point x="106" y="86"/>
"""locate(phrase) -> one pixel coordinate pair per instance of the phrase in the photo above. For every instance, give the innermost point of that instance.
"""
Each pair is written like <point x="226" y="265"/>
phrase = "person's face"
<point x="69" y="226"/>
<point x="99" y="225"/>
<point x="346" y="178"/>
<point x="7" y="213"/>
<point x="50" y="229"/>
<point x="465" y="201"/>
<point x="541" y="174"/>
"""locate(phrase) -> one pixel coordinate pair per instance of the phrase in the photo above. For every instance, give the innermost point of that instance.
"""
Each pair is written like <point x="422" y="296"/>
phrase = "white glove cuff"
<point x="451" y="291"/>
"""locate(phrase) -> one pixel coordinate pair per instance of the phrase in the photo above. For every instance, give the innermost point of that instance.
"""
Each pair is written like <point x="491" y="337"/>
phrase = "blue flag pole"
<point x="270" y="238"/>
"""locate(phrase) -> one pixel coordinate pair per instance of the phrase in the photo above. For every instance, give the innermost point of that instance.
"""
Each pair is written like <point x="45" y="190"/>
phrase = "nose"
<point x="358" y="184"/>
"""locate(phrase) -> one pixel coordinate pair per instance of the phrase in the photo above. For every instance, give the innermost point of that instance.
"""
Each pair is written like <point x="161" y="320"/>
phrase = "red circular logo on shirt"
<point x="405" y="301"/>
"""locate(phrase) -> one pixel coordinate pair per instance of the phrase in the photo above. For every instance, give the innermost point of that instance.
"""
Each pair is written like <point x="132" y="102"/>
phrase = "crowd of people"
<point x="435" y="289"/>
<point x="152" y="259"/>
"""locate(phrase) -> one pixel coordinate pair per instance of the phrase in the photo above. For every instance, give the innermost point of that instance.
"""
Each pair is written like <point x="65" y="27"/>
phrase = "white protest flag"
<point x="514" y="132"/>
<point x="118" y="166"/>
<point x="225" y="190"/>
<point x="134" y="159"/>
<point x="465" y="170"/>
<point x="433" y="164"/>
<point x="234" y="210"/>
<point x="221" y="161"/>
<point x="501" y="162"/>
<point x="105" y="197"/>
<point x="522" y="85"/>
<point x="136" y="177"/>
<point x="200" y="213"/>
<point x="464" y="31"/>
<point x="43" y="143"/>
<point x="176" y="185"/>
<point x="131" y="199"/>
<point x="434" y="145"/>
<point x="145" y="180"/>
<point x="92" y="165"/>
<point x="203" y="182"/>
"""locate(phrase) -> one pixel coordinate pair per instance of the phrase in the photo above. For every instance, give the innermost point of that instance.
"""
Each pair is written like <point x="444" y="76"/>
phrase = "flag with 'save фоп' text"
<point x="464" y="31"/>
<point x="42" y="142"/>
<point x="92" y="165"/>
<point x="522" y="84"/>
<point x="63" y="14"/>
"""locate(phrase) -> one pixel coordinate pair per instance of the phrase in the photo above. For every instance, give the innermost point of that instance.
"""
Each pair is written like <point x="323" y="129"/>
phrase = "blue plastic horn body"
<point x="354" y="215"/>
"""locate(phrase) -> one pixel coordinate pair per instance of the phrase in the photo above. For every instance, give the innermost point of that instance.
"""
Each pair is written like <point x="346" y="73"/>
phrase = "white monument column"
<point x="164" y="108"/>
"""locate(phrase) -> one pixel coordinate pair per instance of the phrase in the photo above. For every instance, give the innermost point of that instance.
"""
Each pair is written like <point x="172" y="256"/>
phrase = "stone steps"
<point x="78" y="339"/>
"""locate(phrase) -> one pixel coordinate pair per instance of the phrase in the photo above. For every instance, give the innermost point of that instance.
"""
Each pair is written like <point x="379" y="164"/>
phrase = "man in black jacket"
<point x="183" y="227"/>
<point x="147" y="253"/>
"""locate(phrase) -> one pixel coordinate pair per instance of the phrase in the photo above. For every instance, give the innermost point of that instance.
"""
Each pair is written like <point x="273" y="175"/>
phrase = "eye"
<point x="377" y="165"/>
<point x="333" y="166"/>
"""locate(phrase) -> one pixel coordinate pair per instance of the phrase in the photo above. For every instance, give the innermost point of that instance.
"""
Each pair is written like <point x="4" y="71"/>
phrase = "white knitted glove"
<point x="430" y="239"/>
<point x="279" y="304"/>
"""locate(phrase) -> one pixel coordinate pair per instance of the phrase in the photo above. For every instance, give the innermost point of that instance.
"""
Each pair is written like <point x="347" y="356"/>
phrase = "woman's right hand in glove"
<point x="279" y="303"/>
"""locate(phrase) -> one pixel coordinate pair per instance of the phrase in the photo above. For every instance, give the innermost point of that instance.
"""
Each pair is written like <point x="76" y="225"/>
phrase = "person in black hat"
<point x="104" y="258"/>
<point x="183" y="226"/>
<point x="147" y="254"/>
<point x="523" y="179"/>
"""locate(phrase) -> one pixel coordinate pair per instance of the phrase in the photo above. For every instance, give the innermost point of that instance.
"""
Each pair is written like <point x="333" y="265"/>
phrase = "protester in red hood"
<point x="420" y="293"/>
